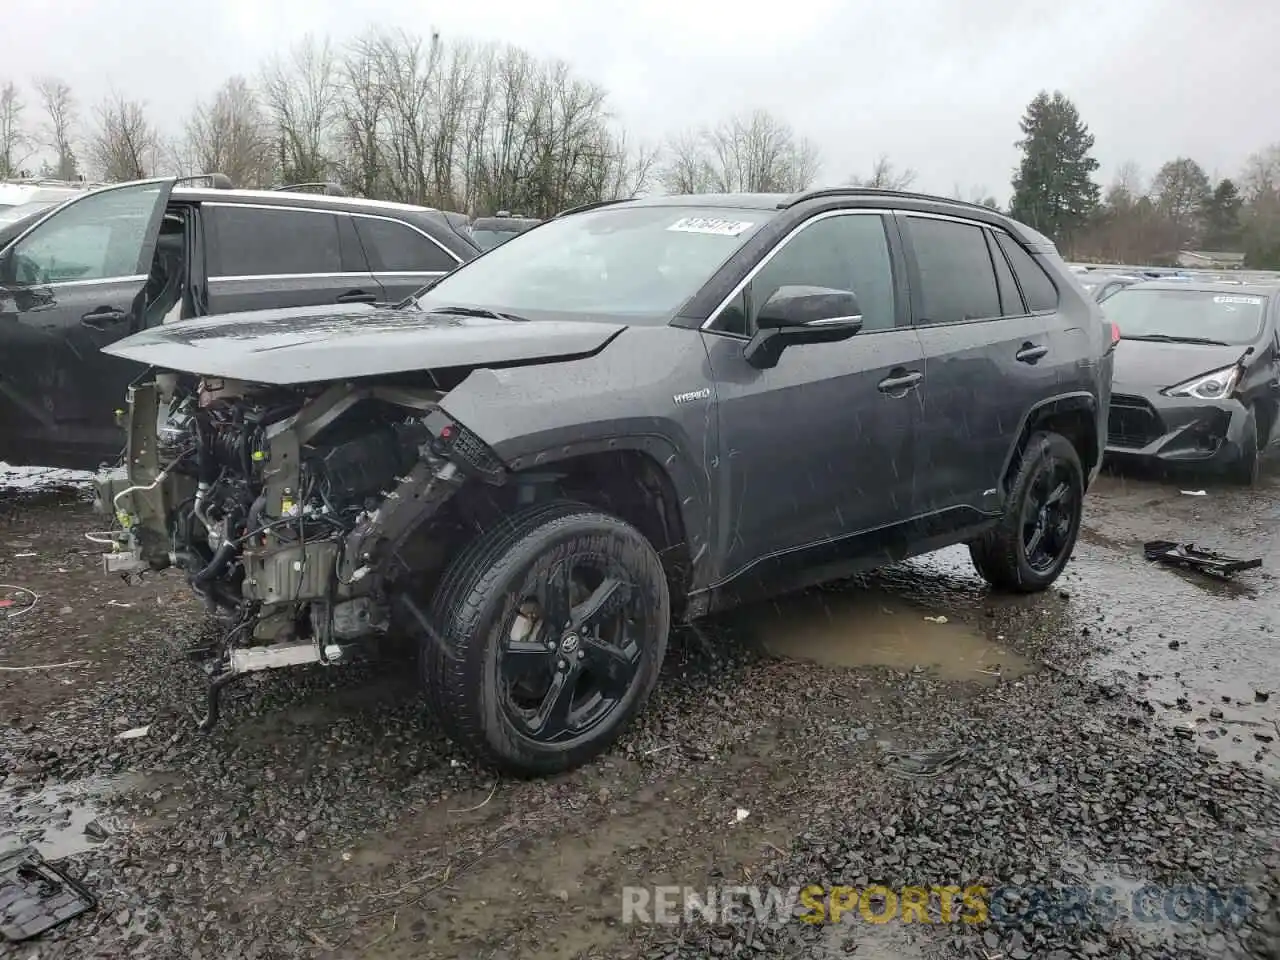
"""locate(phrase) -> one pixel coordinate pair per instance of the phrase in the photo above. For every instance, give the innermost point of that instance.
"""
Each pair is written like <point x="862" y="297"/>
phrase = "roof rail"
<point x="330" y="189"/>
<point x="590" y="206"/>
<point x="217" y="181"/>
<point x="821" y="192"/>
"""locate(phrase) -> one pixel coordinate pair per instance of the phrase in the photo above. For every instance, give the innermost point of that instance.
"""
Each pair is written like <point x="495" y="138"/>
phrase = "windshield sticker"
<point x="1253" y="301"/>
<point x="711" y="225"/>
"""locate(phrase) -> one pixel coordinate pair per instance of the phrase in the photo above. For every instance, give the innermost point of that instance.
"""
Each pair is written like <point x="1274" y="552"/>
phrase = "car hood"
<point x="1143" y="364"/>
<point x="311" y="344"/>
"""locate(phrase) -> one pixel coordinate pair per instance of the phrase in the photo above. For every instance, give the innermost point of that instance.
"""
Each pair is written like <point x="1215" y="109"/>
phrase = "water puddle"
<point x="870" y="628"/>
<point x="61" y="820"/>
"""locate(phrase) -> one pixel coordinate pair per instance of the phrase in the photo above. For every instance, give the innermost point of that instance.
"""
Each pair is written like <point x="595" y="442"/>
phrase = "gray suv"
<point x="634" y="414"/>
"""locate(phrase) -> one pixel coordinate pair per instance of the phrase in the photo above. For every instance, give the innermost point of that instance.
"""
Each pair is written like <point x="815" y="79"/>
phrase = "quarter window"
<point x="957" y="278"/>
<point x="99" y="237"/>
<point x="1037" y="288"/>
<point x="845" y="252"/>
<point x="393" y="247"/>
<point x="1011" y="304"/>
<point x="253" y="242"/>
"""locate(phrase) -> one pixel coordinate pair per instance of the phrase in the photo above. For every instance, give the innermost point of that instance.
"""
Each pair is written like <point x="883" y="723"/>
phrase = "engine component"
<point x="289" y="574"/>
<point x="368" y="465"/>
<point x="269" y="498"/>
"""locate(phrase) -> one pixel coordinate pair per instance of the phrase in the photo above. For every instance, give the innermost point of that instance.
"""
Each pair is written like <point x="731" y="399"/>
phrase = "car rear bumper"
<point x="1149" y="426"/>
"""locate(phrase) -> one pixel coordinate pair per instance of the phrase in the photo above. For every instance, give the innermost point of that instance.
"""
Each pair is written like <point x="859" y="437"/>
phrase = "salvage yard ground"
<point x="1116" y="731"/>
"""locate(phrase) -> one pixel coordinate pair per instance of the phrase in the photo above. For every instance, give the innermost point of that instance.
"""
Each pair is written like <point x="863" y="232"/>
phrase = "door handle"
<point x="1031" y="352"/>
<point x="103" y="317"/>
<point x="900" y="380"/>
<point x="357" y="296"/>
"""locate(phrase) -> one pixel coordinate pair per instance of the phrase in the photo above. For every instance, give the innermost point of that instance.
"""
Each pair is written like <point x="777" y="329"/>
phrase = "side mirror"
<point x="801" y="314"/>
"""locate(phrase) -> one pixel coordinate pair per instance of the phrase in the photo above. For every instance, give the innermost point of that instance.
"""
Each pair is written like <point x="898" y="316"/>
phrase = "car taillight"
<point x="1115" y="334"/>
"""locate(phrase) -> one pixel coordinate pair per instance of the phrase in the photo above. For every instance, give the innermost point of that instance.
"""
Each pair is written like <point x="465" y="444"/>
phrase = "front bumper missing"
<point x="1147" y="425"/>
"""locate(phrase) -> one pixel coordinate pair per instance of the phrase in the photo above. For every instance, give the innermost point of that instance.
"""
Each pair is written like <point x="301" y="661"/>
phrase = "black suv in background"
<point x="638" y="411"/>
<point x="125" y="258"/>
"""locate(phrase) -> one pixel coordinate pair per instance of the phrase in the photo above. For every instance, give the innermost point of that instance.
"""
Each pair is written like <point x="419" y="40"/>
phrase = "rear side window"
<point x="1011" y="304"/>
<point x="253" y="242"/>
<point x="394" y="247"/>
<point x="957" y="278"/>
<point x="1037" y="288"/>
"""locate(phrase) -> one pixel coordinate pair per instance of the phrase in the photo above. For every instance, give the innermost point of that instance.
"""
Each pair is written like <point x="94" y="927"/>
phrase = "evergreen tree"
<point x="1053" y="190"/>
<point x="1222" y="217"/>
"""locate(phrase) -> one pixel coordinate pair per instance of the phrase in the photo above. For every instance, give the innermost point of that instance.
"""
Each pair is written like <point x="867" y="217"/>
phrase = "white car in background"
<point x="21" y="198"/>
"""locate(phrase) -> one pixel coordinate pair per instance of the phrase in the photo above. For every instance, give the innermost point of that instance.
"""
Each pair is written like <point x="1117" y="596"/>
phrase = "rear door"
<point x="403" y="257"/>
<point x="259" y="256"/>
<point x="70" y="285"/>
<point x="992" y="348"/>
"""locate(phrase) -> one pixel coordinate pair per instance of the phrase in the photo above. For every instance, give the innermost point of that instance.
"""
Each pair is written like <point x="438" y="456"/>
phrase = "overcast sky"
<point x="938" y="85"/>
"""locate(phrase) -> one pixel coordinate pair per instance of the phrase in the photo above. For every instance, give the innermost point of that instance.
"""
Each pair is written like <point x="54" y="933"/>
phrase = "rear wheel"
<point x="552" y="631"/>
<point x="1028" y="550"/>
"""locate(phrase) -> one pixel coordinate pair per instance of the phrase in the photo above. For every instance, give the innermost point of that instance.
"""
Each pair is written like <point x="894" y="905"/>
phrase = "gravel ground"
<point x="327" y="817"/>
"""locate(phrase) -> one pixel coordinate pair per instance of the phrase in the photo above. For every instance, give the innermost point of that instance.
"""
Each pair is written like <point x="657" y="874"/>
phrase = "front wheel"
<point x="1033" y="542"/>
<point x="552" y="628"/>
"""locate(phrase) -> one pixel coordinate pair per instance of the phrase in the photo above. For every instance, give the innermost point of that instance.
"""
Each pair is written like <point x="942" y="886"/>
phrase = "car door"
<point x="819" y="447"/>
<point x="259" y="256"/>
<point x="403" y="257"/>
<point x="989" y="358"/>
<point x="71" y="284"/>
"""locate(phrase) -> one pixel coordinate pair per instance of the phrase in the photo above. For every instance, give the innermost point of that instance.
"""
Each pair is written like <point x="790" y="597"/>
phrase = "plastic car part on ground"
<point x="1188" y="555"/>
<point x="35" y="896"/>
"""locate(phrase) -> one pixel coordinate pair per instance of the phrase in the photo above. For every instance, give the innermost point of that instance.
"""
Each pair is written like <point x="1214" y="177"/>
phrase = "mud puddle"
<point x="60" y="820"/>
<point x="874" y="628"/>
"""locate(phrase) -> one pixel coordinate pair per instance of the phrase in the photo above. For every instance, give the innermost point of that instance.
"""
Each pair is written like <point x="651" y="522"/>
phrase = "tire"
<point x="1245" y="470"/>
<point x="481" y="597"/>
<point x="1001" y="556"/>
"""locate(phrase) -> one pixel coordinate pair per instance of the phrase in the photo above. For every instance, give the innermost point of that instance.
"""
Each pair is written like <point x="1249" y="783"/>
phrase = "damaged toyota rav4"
<point x="633" y="415"/>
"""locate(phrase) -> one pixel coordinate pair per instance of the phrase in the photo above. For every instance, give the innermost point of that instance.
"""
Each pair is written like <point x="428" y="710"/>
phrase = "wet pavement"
<point x="1116" y="731"/>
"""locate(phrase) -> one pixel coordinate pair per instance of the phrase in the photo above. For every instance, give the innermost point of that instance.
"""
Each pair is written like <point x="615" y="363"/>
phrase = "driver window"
<point x="99" y="237"/>
<point x="845" y="252"/>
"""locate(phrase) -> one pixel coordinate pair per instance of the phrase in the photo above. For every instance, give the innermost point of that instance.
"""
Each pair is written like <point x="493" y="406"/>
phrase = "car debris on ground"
<point x="1190" y="556"/>
<point x="36" y="896"/>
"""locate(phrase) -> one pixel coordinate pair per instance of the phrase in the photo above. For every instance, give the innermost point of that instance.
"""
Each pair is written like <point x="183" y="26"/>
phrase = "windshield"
<point x="488" y="239"/>
<point x="1234" y="318"/>
<point x="638" y="261"/>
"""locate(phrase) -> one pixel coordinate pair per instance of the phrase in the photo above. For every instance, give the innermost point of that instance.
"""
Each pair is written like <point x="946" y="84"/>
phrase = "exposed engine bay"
<point x="284" y="506"/>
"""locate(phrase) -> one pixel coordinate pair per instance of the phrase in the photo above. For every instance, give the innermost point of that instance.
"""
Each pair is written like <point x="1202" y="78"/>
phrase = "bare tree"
<point x="884" y="176"/>
<point x="752" y="153"/>
<point x="301" y="91"/>
<point x="362" y="112"/>
<point x="125" y="145"/>
<point x="14" y="141"/>
<point x="59" y="132"/>
<point x="686" y="169"/>
<point x="1181" y="191"/>
<point x="230" y="135"/>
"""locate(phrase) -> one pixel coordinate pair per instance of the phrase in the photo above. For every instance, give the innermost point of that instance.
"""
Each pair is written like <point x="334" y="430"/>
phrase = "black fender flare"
<point x="689" y="484"/>
<point x="1077" y="400"/>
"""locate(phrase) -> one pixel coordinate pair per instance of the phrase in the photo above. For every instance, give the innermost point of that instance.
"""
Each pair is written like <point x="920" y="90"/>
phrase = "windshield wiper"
<point x="479" y="312"/>
<point x="1166" y="338"/>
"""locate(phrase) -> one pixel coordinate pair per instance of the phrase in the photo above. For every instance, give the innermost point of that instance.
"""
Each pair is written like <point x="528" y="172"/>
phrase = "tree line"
<point x="466" y="126"/>
<point x="479" y="127"/>
<point x="1135" y="219"/>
